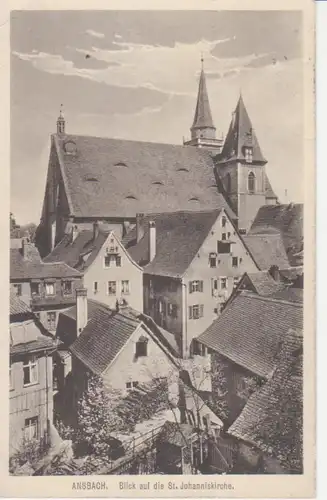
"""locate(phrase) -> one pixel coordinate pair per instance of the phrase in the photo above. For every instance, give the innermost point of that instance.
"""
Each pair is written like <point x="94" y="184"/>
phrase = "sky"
<point x="134" y="75"/>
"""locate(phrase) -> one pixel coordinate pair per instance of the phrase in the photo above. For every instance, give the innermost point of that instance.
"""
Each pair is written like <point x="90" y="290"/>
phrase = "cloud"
<point x="95" y="34"/>
<point x="117" y="35"/>
<point x="171" y="70"/>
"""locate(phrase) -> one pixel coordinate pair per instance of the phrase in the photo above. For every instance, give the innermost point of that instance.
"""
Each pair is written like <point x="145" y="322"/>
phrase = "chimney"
<point x="274" y="272"/>
<point x="29" y="250"/>
<point x="139" y="227"/>
<point x="95" y="230"/>
<point x="81" y="310"/>
<point x="74" y="232"/>
<point x="152" y="240"/>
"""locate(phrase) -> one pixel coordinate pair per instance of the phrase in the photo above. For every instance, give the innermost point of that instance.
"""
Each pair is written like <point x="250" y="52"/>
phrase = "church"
<point x="110" y="181"/>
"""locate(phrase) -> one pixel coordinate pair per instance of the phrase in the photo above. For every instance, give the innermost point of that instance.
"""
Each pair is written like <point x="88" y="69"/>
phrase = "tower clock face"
<point x="70" y="147"/>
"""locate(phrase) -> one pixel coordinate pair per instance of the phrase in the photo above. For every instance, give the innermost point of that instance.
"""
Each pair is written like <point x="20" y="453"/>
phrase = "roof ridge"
<point x="67" y="136"/>
<point x="207" y="211"/>
<point x="246" y="293"/>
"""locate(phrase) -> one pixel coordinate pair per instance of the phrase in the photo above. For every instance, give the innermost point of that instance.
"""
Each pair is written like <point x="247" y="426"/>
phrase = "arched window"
<point x="228" y="183"/>
<point x="251" y="182"/>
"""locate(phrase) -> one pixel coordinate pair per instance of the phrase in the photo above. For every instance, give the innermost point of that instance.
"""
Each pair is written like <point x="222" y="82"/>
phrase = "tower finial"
<point x="61" y="121"/>
<point x="202" y="60"/>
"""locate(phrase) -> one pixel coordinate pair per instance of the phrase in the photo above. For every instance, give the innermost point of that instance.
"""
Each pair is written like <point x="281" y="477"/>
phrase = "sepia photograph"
<point x="157" y="188"/>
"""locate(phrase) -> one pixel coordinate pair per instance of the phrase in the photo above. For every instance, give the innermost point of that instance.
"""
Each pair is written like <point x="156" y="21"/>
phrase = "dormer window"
<point x="141" y="347"/>
<point x="248" y="154"/>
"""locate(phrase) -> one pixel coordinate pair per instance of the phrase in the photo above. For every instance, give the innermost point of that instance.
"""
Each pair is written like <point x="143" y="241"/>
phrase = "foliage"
<point x="30" y="452"/>
<point x="103" y="412"/>
<point x="219" y="401"/>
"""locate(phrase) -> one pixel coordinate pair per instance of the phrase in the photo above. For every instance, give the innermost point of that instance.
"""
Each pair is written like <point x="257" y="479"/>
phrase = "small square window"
<point x="213" y="260"/>
<point x="67" y="288"/>
<point x="18" y="289"/>
<point x="112" y="287"/>
<point x="35" y="288"/>
<point x="141" y="349"/>
<point x="135" y="384"/>
<point x="108" y="259"/>
<point x="223" y="283"/>
<point x="128" y="385"/>
<point x="51" y="320"/>
<point x="49" y="288"/>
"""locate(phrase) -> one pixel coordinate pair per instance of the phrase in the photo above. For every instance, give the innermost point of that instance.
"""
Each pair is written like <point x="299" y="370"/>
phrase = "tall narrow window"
<point x="141" y="348"/>
<point x="52" y="320"/>
<point x="248" y="153"/>
<point x="67" y="288"/>
<point x="125" y="287"/>
<point x="251" y="182"/>
<point x="31" y="428"/>
<point x="35" y="288"/>
<point x="228" y="183"/>
<point x="18" y="289"/>
<point x="30" y="371"/>
<point x="95" y="287"/>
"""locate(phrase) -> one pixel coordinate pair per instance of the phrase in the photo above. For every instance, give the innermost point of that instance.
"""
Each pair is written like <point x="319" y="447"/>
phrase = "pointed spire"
<point x="61" y="121"/>
<point x="241" y="137"/>
<point x="203" y="124"/>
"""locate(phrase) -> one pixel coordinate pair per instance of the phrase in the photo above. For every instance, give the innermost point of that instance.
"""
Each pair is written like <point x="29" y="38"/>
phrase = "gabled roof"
<point x="250" y="329"/>
<point x="118" y="178"/>
<point x="202" y="116"/>
<point x="21" y="268"/>
<point x="105" y="334"/>
<point x="240" y="135"/>
<point x="40" y="344"/>
<point x="288" y="220"/>
<point x="267" y="249"/>
<point x="179" y="236"/>
<point x="71" y="252"/>
<point x="262" y="283"/>
<point x="277" y="405"/>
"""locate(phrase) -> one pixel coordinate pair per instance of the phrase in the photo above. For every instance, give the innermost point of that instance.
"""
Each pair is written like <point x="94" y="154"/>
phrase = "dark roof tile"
<point x="250" y="329"/>
<point x="105" y="334"/>
<point x="260" y="420"/>
<point x="127" y="173"/>
<point x="179" y="236"/>
<point x="267" y="249"/>
<point x="21" y="268"/>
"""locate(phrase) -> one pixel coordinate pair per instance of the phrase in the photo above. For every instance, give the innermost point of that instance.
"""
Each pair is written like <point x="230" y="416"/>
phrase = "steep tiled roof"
<point x="240" y="134"/>
<point x="268" y="189"/>
<point x="263" y="283"/>
<point x="267" y="249"/>
<point x="202" y="116"/>
<point x="114" y="177"/>
<point x="179" y="237"/>
<point x="104" y="336"/>
<point x="21" y="268"/>
<point x="71" y="252"/>
<point x="250" y="329"/>
<point x="265" y="414"/>
<point x="289" y="293"/>
<point x="40" y="344"/>
<point x="17" y="306"/>
<point x="288" y="220"/>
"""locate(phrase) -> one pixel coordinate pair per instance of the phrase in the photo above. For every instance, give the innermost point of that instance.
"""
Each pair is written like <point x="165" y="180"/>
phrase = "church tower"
<point x="241" y="168"/>
<point x="203" y="131"/>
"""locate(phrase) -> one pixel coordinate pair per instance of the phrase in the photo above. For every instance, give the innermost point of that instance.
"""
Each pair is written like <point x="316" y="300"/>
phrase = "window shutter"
<point x="201" y="286"/>
<point x="190" y="311"/>
<point x="190" y="284"/>
<point x="201" y="311"/>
